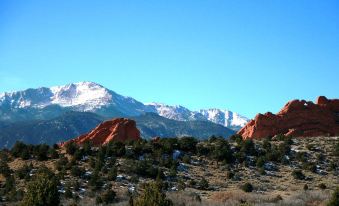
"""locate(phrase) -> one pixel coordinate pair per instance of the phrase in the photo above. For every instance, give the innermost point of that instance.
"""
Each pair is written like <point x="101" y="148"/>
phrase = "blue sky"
<point x="247" y="56"/>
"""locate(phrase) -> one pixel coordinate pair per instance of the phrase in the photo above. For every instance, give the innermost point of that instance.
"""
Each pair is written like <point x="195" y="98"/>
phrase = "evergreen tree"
<point x="42" y="190"/>
<point x="152" y="196"/>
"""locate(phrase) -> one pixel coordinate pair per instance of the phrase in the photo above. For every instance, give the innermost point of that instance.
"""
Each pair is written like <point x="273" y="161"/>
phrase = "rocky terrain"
<point x="278" y="171"/>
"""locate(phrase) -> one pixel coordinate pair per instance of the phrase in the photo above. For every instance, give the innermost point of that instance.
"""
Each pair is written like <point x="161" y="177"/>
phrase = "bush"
<point x="322" y="186"/>
<point x="298" y="174"/>
<point x="77" y="171"/>
<point x="41" y="152"/>
<point x="23" y="172"/>
<point x="53" y="153"/>
<point x="145" y="168"/>
<point x="334" y="201"/>
<point x="4" y="169"/>
<point x="247" y="187"/>
<point x="248" y="147"/>
<point x="203" y="184"/>
<point x="71" y="148"/>
<point x="188" y="144"/>
<point x="18" y="148"/>
<point x="42" y="190"/>
<point x="152" y="196"/>
<point x="186" y="159"/>
<point x="222" y="152"/>
<point x="305" y="187"/>
<point x="336" y="150"/>
<point x="112" y="174"/>
<point x="108" y="197"/>
<point x="260" y="162"/>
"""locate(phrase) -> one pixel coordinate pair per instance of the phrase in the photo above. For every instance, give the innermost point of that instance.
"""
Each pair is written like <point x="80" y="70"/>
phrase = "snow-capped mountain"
<point x="176" y="112"/>
<point x="82" y="96"/>
<point x="45" y="103"/>
<point x="225" y="117"/>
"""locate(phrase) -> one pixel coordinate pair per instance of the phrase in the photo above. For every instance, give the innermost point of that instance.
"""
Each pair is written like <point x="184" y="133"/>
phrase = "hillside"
<point x="152" y="125"/>
<point x="214" y="172"/>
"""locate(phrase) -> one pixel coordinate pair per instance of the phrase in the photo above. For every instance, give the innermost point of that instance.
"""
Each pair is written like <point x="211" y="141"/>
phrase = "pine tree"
<point x="42" y="190"/>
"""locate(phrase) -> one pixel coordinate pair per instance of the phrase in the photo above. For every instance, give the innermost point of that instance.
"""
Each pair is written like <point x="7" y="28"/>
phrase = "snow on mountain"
<point x="92" y="97"/>
<point x="90" y="94"/>
<point x="176" y="112"/>
<point x="225" y="117"/>
<point x="81" y="96"/>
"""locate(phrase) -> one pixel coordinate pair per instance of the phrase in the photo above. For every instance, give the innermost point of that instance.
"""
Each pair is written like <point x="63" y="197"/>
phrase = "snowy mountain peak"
<point x="93" y="97"/>
<point x="88" y="94"/>
<point x="176" y="112"/>
<point x="224" y="117"/>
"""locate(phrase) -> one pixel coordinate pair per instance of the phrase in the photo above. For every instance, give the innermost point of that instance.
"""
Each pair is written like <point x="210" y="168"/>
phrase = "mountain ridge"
<point x="92" y="97"/>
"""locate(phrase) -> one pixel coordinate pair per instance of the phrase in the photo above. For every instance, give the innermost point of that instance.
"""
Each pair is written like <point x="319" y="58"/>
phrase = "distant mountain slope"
<point x="64" y="127"/>
<point x="153" y="125"/>
<point x="73" y="124"/>
<point x="47" y="103"/>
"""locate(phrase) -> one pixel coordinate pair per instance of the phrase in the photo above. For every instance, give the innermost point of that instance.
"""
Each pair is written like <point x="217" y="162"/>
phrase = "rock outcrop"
<point x="119" y="129"/>
<point x="298" y="118"/>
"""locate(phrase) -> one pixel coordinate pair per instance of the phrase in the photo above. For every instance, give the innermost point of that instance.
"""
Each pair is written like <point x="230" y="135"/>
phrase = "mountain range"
<point x="78" y="107"/>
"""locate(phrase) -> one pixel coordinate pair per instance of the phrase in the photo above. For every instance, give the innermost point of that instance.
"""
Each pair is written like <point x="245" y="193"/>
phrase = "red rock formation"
<point x="120" y="129"/>
<point x="297" y="118"/>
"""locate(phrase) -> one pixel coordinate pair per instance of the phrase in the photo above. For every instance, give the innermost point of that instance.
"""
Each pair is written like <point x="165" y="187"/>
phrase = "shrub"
<point x="112" y="174"/>
<point x="53" y="153"/>
<point x="41" y="152"/>
<point x="248" y="147"/>
<point x="336" y="150"/>
<point x="61" y="163"/>
<point x="310" y="166"/>
<point x="9" y="184"/>
<point x="334" y="201"/>
<point x="42" y="190"/>
<point x="19" y="148"/>
<point x="298" y="174"/>
<point x="108" y="197"/>
<point x="230" y="175"/>
<point x="77" y="171"/>
<point x="23" y="172"/>
<point x="186" y="159"/>
<point x="260" y="161"/>
<point x="95" y="180"/>
<point x="203" y="184"/>
<point x="322" y="186"/>
<point x="222" y="152"/>
<point x="305" y="187"/>
<point x="145" y="168"/>
<point x="188" y="144"/>
<point x="4" y="169"/>
<point x="247" y="187"/>
<point x="71" y="148"/>
<point x="152" y="196"/>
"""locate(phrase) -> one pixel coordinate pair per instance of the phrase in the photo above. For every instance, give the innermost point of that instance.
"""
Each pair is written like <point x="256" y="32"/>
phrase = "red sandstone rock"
<point x="297" y="118"/>
<point x="120" y="129"/>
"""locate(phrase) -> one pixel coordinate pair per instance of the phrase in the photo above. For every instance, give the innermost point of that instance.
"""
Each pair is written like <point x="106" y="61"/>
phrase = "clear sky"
<point x="246" y="56"/>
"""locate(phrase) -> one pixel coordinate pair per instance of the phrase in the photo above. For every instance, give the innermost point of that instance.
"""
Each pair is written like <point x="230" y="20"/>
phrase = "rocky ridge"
<point x="298" y="118"/>
<point x="119" y="129"/>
